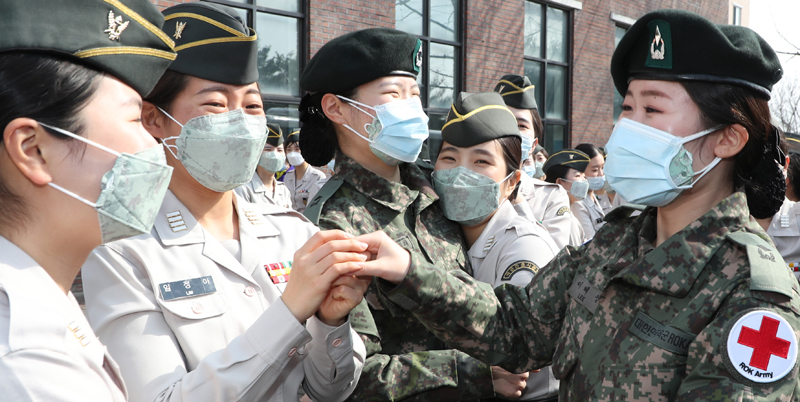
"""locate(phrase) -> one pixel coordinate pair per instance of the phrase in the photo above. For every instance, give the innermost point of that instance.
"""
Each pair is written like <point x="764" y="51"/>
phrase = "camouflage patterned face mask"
<point x="466" y="197"/>
<point x="221" y="151"/>
<point x="132" y="191"/>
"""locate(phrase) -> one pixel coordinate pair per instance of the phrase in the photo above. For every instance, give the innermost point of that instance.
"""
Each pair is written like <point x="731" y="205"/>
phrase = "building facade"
<point x="563" y="46"/>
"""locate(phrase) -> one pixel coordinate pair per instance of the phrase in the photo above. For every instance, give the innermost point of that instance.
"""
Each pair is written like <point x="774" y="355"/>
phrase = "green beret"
<point x="477" y="118"/>
<point x="121" y="38"/>
<point x="274" y="134"/>
<point x="571" y="158"/>
<point x="213" y="43"/>
<point x="360" y="57"/>
<point x="677" y="45"/>
<point x="294" y="136"/>
<point x="517" y="91"/>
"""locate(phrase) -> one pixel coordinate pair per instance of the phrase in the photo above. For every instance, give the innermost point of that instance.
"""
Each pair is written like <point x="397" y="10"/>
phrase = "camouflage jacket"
<point x="623" y="320"/>
<point x="404" y="359"/>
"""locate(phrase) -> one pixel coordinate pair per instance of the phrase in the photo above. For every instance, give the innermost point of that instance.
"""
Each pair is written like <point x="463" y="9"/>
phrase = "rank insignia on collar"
<point x="489" y="244"/>
<point x="115" y="26"/>
<point x="79" y="333"/>
<point x="761" y="346"/>
<point x="785" y="221"/>
<point x="254" y="217"/>
<point x="179" y="27"/>
<point x="279" y="271"/>
<point x="176" y="222"/>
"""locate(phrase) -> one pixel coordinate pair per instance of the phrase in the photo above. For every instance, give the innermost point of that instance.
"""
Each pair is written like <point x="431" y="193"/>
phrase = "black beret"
<point x="360" y="57"/>
<point x="517" y="91"/>
<point x="122" y="38"/>
<point x="213" y="43"/>
<point x="571" y="158"/>
<point x="477" y="118"/>
<point x="538" y="148"/>
<point x="678" y="45"/>
<point x="274" y="134"/>
<point x="293" y="136"/>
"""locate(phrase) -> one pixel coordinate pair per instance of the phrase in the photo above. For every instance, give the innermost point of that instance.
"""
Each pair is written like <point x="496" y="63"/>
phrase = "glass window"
<point x="278" y="58"/>
<point x="437" y="23"/>
<point x="619" y="32"/>
<point x="737" y="15"/>
<point x="547" y="65"/>
<point x="279" y="25"/>
<point x="284" y="114"/>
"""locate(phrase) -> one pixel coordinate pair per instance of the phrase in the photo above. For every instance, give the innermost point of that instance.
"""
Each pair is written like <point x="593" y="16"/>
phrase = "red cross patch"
<point x="762" y="346"/>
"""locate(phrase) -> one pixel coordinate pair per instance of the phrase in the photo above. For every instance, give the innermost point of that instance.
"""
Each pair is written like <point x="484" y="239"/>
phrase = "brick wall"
<point x="162" y="4"/>
<point x="493" y="42"/>
<point x="331" y="18"/>
<point x="593" y="46"/>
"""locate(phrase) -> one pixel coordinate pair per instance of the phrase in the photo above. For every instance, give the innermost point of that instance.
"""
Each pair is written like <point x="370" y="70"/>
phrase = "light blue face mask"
<point x="527" y="144"/>
<point x="272" y="161"/>
<point x="651" y="167"/>
<point x="579" y="188"/>
<point x="529" y="170"/>
<point x="131" y="192"/>
<point x="596" y="183"/>
<point x="397" y="131"/>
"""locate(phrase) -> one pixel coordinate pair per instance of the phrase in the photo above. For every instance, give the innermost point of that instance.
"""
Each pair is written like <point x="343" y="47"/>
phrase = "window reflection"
<point x="533" y="70"/>
<point x="556" y="34"/>
<point x="556" y="97"/>
<point x="442" y="75"/>
<point x="533" y="29"/>
<point x="278" y="61"/>
<point x="408" y="16"/>
<point x="443" y="19"/>
<point x="554" y="138"/>
<point x="285" y="5"/>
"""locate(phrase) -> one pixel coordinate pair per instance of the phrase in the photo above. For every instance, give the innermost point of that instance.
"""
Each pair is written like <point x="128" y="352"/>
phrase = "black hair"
<point x="50" y="90"/>
<point x="556" y="172"/>
<point x="794" y="173"/>
<point x="590" y="150"/>
<point x="512" y="154"/>
<point x="756" y="166"/>
<point x="318" y="141"/>
<point x="169" y="86"/>
<point x="538" y="126"/>
<point x="543" y="152"/>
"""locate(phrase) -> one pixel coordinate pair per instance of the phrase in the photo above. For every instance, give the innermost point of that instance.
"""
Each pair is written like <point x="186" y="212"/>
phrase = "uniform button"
<point x="292" y="352"/>
<point x="250" y="291"/>
<point x="197" y="308"/>
<point x="336" y="342"/>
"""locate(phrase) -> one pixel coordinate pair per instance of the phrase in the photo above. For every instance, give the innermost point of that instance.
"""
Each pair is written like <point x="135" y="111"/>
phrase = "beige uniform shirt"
<point x="256" y="192"/>
<point x="784" y="231"/>
<point x="549" y="204"/>
<point x="605" y="203"/>
<point x="511" y="249"/>
<point x="299" y="190"/>
<point x="48" y="352"/>
<point x="188" y="321"/>
<point x="590" y="215"/>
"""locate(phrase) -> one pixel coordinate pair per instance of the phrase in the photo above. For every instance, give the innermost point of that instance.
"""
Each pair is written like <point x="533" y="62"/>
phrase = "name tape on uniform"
<point x="663" y="336"/>
<point x="584" y="293"/>
<point x="187" y="288"/>
<point x="762" y="346"/>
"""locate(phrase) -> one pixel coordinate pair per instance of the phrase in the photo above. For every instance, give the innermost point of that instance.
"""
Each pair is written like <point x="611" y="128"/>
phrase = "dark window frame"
<point x="546" y="121"/>
<point x="458" y="52"/>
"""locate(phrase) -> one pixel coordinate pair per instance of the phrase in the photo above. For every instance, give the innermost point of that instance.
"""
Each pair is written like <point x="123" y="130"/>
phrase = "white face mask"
<point x="295" y="158"/>
<point x="579" y="188"/>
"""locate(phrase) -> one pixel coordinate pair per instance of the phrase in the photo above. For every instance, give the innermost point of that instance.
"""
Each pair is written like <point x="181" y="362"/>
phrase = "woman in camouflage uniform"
<point x="687" y="301"/>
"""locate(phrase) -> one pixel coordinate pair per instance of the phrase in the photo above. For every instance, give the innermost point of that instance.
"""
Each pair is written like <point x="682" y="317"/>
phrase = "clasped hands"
<point x="331" y="272"/>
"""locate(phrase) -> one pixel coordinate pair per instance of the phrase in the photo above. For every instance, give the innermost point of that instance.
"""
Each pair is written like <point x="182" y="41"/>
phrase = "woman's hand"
<point x="390" y="261"/>
<point x="344" y="295"/>
<point x="508" y="384"/>
<point x="324" y="258"/>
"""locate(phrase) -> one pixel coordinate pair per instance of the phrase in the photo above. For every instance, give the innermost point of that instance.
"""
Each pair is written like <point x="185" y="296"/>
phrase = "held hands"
<point x="320" y="271"/>
<point x="389" y="260"/>
<point x="508" y="384"/>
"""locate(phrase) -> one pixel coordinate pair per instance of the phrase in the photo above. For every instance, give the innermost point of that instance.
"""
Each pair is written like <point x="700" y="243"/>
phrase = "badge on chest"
<point x="279" y="271"/>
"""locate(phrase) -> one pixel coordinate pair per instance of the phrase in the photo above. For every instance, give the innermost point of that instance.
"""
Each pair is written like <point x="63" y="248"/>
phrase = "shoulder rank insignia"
<point x="115" y="26"/>
<point x="179" y="27"/>
<point x="761" y="346"/>
<point x="519" y="266"/>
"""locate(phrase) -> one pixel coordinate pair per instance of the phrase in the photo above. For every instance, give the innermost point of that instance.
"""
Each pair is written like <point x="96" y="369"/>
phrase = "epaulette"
<point x="768" y="271"/>
<point x="314" y="207"/>
<point x="623" y="211"/>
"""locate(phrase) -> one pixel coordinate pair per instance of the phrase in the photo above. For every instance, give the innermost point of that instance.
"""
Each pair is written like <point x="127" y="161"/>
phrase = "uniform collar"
<point x="175" y="225"/>
<point x="673" y="266"/>
<point x="258" y="185"/>
<point x="396" y="196"/>
<point x="501" y="220"/>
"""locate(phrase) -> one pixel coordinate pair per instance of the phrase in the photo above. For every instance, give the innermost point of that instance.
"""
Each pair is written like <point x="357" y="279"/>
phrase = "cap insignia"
<point x="179" y="26"/>
<point x="502" y="87"/>
<point x="657" y="47"/>
<point x="571" y="156"/>
<point x="418" y="56"/>
<point x="115" y="26"/>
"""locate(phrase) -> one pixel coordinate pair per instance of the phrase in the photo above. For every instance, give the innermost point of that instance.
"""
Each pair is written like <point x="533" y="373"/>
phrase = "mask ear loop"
<point x="713" y="163"/>
<point x="164" y="141"/>
<point x="355" y="105"/>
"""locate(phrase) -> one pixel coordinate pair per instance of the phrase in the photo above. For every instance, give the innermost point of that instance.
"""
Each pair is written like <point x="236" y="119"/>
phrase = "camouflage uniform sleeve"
<point x="710" y="373"/>
<point x="434" y="375"/>
<point x="514" y="327"/>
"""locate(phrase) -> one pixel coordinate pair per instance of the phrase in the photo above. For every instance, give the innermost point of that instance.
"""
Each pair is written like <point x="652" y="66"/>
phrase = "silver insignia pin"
<point x="179" y="27"/>
<point x="656" y="54"/>
<point x="115" y="26"/>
